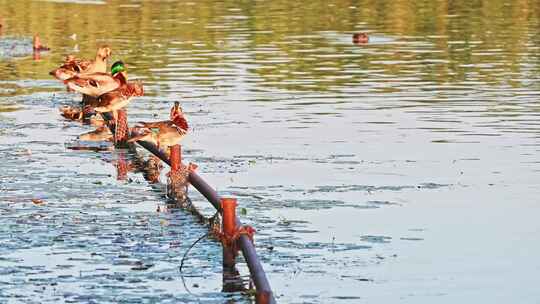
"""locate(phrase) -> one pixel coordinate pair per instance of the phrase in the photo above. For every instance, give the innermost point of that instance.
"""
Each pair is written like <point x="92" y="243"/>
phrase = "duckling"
<point x="73" y="66"/>
<point x="97" y="84"/>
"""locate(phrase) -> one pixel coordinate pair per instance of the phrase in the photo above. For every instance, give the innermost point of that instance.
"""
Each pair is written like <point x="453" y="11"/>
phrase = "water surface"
<point x="404" y="169"/>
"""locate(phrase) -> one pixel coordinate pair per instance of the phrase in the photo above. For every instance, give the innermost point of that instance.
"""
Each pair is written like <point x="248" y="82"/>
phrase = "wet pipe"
<point x="264" y="293"/>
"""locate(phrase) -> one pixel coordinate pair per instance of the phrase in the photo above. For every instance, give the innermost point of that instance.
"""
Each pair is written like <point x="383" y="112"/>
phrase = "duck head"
<point x="69" y="58"/>
<point x="118" y="70"/>
<point x="117" y="67"/>
<point x="103" y="52"/>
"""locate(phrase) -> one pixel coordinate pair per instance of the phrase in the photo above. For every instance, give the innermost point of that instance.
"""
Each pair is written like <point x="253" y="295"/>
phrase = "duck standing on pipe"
<point x="73" y="66"/>
<point x="97" y="84"/>
<point x="165" y="133"/>
<point x="177" y="117"/>
<point x="94" y="85"/>
<point x="118" y="98"/>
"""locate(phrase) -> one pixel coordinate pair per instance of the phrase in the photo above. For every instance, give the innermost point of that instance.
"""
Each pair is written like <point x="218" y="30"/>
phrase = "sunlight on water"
<point x="402" y="169"/>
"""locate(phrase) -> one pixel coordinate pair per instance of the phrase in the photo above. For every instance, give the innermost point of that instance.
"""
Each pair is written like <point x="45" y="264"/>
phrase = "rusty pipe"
<point x="248" y="249"/>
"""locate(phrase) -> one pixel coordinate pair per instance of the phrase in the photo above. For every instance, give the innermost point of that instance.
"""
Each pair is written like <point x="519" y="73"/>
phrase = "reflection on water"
<point x="381" y="171"/>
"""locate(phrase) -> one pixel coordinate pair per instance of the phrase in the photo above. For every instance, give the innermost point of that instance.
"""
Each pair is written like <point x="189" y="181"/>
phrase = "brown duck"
<point x="167" y="132"/>
<point x="73" y="66"/>
<point x="97" y="84"/>
<point x="119" y="98"/>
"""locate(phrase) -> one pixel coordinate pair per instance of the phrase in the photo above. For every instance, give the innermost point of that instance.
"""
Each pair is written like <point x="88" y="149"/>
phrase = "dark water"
<point x="405" y="169"/>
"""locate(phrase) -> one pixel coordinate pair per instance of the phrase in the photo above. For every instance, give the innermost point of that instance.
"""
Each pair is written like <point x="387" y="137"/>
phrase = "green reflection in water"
<point x="293" y="46"/>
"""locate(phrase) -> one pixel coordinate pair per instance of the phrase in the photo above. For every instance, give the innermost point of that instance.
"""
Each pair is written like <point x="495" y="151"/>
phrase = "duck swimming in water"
<point x="73" y="66"/>
<point x="37" y="46"/>
<point x="360" y="38"/>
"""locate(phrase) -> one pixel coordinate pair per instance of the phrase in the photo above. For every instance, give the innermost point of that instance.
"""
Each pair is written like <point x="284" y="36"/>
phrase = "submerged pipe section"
<point x="264" y="292"/>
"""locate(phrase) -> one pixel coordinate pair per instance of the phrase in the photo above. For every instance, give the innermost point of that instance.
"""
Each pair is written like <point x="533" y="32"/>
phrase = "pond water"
<point x="405" y="169"/>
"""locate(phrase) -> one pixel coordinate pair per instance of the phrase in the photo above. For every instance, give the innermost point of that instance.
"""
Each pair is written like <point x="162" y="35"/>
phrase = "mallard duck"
<point x="73" y="66"/>
<point x="177" y="120"/>
<point x="97" y="84"/>
<point x="119" y="98"/>
<point x="168" y="132"/>
<point x="165" y="136"/>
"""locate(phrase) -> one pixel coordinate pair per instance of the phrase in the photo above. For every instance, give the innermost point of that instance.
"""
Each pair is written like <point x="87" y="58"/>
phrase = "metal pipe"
<point x="248" y="250"/>
<point x="121" y="133"/>
<point x="154" y="150"/>
<point x="176" y="158"/>
<point x="206" y="190"/>
<point x="229" y="216"/>
<point x="264" y="292"/>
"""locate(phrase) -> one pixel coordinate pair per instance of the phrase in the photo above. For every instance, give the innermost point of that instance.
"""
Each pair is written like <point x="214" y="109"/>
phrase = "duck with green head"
<point x="97" y="84"/>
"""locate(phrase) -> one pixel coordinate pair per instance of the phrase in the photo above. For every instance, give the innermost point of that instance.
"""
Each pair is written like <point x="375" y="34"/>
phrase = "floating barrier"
<point x="233" y="236"/>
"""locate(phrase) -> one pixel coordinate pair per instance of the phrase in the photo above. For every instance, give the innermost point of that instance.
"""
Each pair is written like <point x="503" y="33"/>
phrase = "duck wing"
<point x="170" y="135"/>
<point x="70" y="68"/>
<point x="155" y="124"/>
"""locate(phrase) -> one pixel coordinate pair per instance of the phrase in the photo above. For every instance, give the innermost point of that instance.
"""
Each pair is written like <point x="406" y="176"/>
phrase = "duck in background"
<point x="73" y="66"/>
<point x="37" y="46"/>
<point x="360" y="38"/>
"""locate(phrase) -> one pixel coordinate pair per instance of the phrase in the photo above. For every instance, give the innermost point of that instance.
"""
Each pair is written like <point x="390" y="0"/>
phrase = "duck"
<point x="78" y="114"/>
<point x="71" y="113"/>
<point x="97" y="84"/>
<point x="119" y="97"/>
<point x="167" y="132"/>
<point x="360" y="38"/>
<point x="73" y="66"/>
<point x="37" y="46"/>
